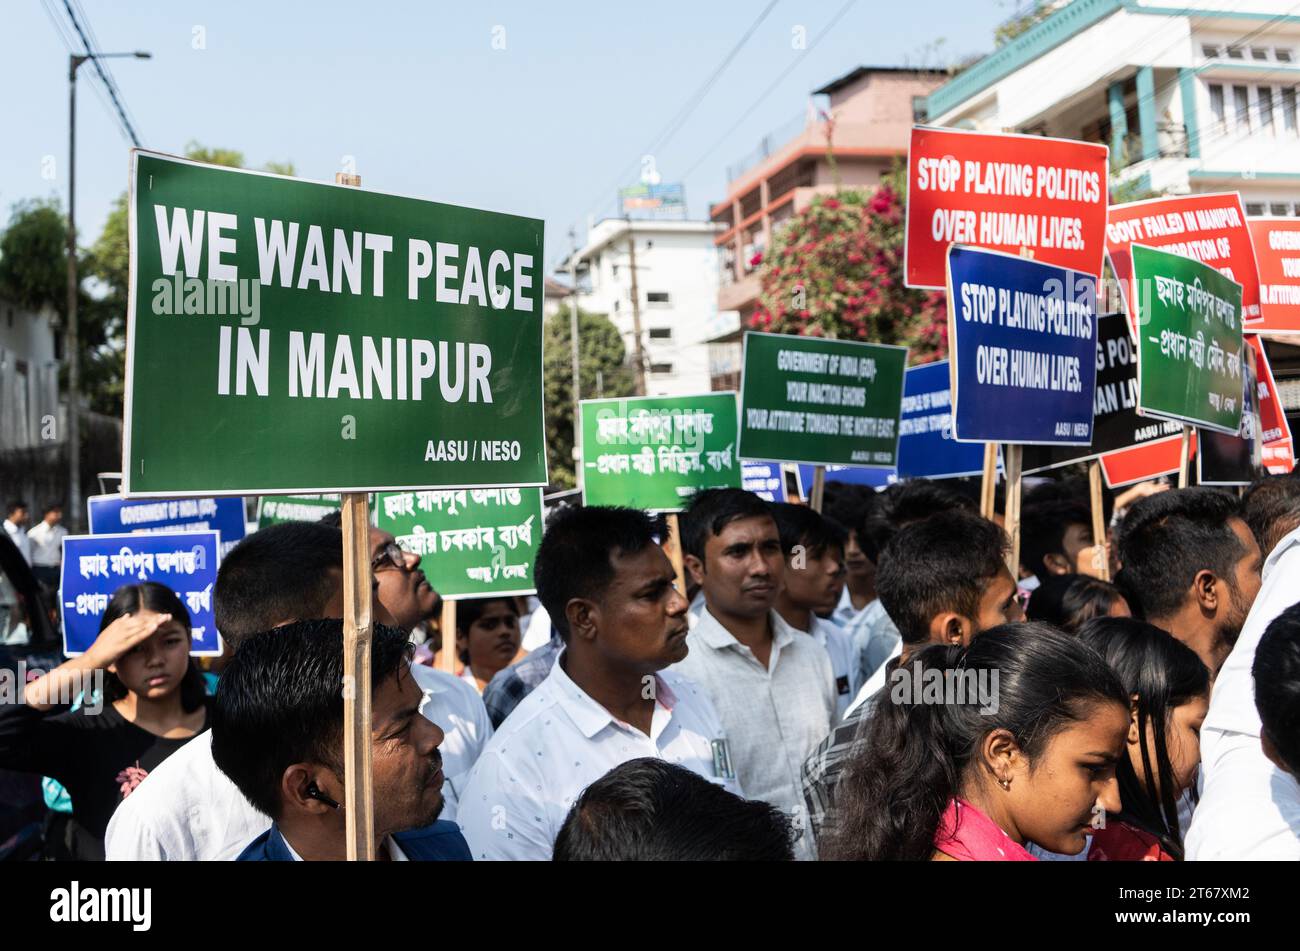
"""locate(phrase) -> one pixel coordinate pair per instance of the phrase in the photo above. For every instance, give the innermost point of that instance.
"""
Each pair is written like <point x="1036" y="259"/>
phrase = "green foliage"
<point x="600" y="351"/>
<point x="33" y="257"/>
<point x="836" y="270"/>
<point x="1023" y="22"/>
<point x="233" y="158"/>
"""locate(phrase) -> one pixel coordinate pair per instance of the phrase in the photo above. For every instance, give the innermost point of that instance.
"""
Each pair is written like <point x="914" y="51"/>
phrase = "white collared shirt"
<point x="876" y="682"/>
<point x="557" y="742"/>
<point x="187" y="809"/>
<point x="774" y="715"/>
<point x="1248" y="808"/>
<point x="47" y="544"/>
<point x="839" y="648"/>
<point x="20" y="539"/>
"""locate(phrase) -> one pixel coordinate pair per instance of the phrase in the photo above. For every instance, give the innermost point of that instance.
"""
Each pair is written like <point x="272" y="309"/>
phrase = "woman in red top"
<point x="1169" y="691"/>
<point x="973" y="752"/>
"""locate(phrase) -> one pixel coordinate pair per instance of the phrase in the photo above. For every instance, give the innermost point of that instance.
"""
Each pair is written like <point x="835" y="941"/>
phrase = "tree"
<point x="600" y="351"/>
<point x="836" y="270"/>
<point x="33" y="257"/>
<point x="1024" y="20"/>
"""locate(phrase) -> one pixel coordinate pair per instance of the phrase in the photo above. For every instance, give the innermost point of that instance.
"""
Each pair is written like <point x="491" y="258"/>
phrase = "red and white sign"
<point x="1150" y="460"/>
<point x="1277" y="450"/>
<point x="1277" y="252"/>
<point x="1022" y="194"/>
<point x="1207" y="228"/>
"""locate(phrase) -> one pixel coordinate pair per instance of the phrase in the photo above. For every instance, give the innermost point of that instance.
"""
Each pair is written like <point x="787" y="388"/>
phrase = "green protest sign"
<point x="272" y="510"/>
<point x="655" y="452"/>
<point x="819" y="401"/>
<point x="1189" y="341"/>
<point x="472" y="542"/>
<point x="287" y="336"/>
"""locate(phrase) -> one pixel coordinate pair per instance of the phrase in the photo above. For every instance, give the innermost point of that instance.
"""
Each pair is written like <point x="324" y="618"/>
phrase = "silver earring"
<point x="1005" y="784"/>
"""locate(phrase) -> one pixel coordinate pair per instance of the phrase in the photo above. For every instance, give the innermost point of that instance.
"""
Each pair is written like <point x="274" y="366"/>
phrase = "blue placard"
<point x="927" y="448"/>
<point x="111" y="514"/>
<point x="849" y="475"/>
<point x="764" y="479"/>
<point x="1024" y="344"/>
<point x="94" y="566"/>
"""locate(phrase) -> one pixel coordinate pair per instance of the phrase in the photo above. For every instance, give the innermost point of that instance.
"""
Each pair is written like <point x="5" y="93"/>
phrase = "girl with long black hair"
<point x="1169" y="690"/>
<point x="152" y="702"/>
<point x="974" y="752"/>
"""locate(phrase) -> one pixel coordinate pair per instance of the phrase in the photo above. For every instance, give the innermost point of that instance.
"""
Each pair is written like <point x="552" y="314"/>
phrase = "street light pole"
<point x="70" y="341"/>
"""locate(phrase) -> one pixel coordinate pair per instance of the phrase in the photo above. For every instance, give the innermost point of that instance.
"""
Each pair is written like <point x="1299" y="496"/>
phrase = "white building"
<point x="29" y="378"/>
<point x="677" y="288"/>
<point x="1193" y="96"/>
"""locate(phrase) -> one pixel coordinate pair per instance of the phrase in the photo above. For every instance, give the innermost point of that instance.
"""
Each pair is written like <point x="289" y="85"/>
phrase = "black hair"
<point x="849" y="504"/>
<point x="648" y="810"/>
<point x="914" y="756"/>
<point x="801" y="525"/>
<point x="280" y="702"/>
<point x="284" y="572"/>
<point x="904" y="503"/>
<point x="1271" y="508"/>
<point x="1067" y="601"/>
<point x="1167" y="538"/>
<point x="1069" y="489"/>
<point x="1042" y="531"/>
<point x="14" y="505"/>
<point x="1276" y="670"/>
<point x="1164" y="674"/>
<point x="471" y="609"/>
<point x="942" y="563"/>
<point x="576" y="556"/>
<point x="52" y="507"/>
<point x="713" y="510"/>
<point x="160" y="599"/>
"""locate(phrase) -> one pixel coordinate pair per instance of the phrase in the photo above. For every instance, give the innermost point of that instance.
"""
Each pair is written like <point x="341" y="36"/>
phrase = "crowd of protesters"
<point x="874" y="682"/>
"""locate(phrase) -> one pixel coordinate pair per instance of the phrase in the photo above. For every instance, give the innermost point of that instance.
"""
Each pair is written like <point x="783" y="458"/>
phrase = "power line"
<point x="692" y="102"/>
<point x="103" y="76"/>
<point x="766" y="92"/>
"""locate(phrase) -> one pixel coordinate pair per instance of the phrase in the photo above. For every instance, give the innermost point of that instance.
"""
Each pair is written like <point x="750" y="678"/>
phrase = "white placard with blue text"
<point x="95" y="566"/>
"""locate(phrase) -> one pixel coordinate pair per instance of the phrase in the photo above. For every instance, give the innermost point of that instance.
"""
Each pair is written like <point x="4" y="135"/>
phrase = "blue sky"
<point x="428" y="105"/>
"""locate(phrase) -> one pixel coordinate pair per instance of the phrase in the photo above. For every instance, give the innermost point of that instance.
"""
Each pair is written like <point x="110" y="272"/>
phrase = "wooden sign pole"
<point x="447" y="659"/>
<point x="1184" y="457"/>
<point x="989" y="482"/>
<point x="1102" y="551"/>
<point x="818" y="488"/>
<point x="674" y="548"/>
<point x="1013" y="507"/>
<point x="358" y="781"/>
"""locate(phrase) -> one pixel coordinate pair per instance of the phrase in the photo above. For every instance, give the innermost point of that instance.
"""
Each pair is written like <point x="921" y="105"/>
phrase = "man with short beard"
<point x="1191" y="565"/>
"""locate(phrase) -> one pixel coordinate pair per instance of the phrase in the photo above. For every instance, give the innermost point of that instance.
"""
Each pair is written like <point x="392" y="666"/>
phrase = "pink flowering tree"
<point x="836" y="270"/>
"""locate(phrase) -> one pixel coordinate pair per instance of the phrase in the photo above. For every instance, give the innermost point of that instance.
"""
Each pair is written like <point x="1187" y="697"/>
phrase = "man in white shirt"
<point x="773" y="687"/>
<point x="187" y="809"/>
<point x="15" y="520"/>
<point x="814" y="578"/>
<point x="609" y="591"/>
<point x="1248" y="807"/>
<point x="47" y="546"/>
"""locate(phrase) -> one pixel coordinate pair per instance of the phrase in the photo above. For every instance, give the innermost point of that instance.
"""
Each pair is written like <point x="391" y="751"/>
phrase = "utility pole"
<point x="573" y="346"/>
<point x="639" y="351"/>
<point x="70" y="341"/>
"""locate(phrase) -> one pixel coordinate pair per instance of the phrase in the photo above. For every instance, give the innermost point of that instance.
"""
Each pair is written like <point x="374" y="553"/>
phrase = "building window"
<point x="657" y="298"/>
<point x="1259" y="52"/>
<point x="1279" y="208"/>
<point x="919" y="114"/>
<point x="1288" y="109"/>
<point x="1265" y="97"/>
<point x="1241" y="107"/>
<point x="1217" y="107"/>
<point x="1282" y="54"/>
<point x="1209" y="51"/>
<point x="661" y="333"/>
<point x="661" y="368"/>
<point x="1254" y="208"/>
<point x="1236" y="52"/>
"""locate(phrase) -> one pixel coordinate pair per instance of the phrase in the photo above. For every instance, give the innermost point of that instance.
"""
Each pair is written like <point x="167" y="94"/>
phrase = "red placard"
<point x="1208" y="228"/>
<point x="1277" y="252"/>
<point x="1140" y="463"/>
<point x="1022" y="194"/>
<point x="1277" y="450"/>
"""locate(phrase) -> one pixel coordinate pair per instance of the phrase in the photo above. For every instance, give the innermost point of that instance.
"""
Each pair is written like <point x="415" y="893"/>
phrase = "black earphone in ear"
<point x="313" y="792"/>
